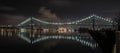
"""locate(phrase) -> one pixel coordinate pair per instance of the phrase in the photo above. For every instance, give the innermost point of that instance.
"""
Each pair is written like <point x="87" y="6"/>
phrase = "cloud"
<point x="7" y="8"/>
<point x="46" y="13"/>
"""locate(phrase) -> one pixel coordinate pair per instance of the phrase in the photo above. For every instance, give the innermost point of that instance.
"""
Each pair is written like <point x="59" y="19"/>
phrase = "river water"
<point x="14" y="44"/>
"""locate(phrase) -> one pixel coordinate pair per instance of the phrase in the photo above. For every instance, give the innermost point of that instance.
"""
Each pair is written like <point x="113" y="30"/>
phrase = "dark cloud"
<point x="7" y="8"/>
<point x="59" y="3"/>
<point x="55" y="9"/>
<point x="11" y="19"/>
<point x="47" y="15"/>
<point x="111" y="11"/>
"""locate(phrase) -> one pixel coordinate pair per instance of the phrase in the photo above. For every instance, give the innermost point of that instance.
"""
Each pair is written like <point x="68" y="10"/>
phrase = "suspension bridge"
<point x="92" y="20"/>
<point x="69" y="23"/>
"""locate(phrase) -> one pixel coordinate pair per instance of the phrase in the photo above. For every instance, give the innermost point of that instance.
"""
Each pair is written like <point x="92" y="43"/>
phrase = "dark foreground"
<point x="17" y="45"/>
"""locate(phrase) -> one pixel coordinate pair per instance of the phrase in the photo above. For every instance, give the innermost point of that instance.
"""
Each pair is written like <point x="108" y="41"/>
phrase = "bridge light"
<point x="111" y="21"/>
<point x="88" y="17"/>
<point x="107" y="20"/>
<point x="69" y="23"/>
<point x="76" y="23"/>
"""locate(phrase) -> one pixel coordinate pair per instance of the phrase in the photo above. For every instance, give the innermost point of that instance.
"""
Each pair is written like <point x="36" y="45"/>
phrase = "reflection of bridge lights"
<point x="83" y="40"/>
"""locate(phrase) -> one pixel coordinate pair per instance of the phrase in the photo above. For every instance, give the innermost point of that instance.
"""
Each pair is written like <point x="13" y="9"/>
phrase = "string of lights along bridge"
<point x="73" y="22"/>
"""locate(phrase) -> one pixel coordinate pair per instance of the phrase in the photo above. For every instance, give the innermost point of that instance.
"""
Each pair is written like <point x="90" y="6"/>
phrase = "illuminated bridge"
<point x="32" y="31"/>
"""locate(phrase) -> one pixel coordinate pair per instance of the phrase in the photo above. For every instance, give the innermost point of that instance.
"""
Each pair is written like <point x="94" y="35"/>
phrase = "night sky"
<point x="15" y="11"/>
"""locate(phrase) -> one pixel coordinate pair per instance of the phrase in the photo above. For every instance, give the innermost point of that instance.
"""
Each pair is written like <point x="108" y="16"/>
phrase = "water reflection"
<point x="84" y="39"/>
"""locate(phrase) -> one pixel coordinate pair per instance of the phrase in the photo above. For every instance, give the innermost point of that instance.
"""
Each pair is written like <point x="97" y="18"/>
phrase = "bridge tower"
<point x="31" y="26"/>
